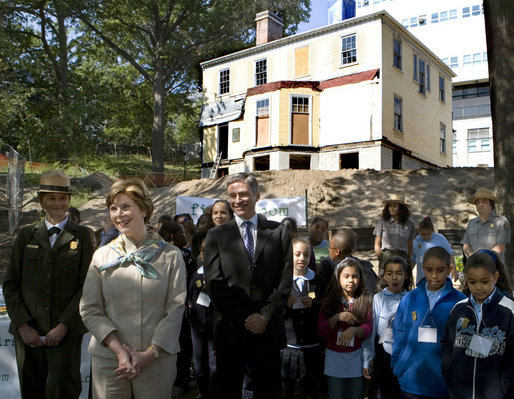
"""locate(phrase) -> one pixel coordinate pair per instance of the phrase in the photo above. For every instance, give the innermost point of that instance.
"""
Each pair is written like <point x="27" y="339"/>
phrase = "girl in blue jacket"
<point x="478" y="344"/>
<point x="418" y="328"/>
<point x="395" y="282"/>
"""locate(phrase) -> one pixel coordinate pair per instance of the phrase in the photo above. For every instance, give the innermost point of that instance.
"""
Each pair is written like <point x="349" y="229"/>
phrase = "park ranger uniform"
<point x="495" y="231"/>
<point x="42" y="288"/>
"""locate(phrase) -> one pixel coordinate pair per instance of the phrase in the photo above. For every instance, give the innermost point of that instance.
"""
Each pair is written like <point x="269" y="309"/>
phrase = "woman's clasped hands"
<point x="132" y="363"/>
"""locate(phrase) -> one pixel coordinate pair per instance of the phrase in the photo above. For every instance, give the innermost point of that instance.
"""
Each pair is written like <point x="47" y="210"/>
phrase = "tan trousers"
<point x="155" y="382"/>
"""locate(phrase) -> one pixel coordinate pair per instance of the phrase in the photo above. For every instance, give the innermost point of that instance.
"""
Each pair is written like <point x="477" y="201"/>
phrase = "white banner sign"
<point x="193" y="205"/>
<point x="273" y="208"/>
<point x="279" y="208"/>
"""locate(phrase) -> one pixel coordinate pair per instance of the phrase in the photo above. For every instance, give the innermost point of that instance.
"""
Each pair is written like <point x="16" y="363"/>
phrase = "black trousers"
<point x="205" y="361"/>
<point x="247" y="365"/>
<point x="306" y="386"/>
<point x="384" y="384"/>
<point x="50" y="372"/>
<point x="185" y="356"/>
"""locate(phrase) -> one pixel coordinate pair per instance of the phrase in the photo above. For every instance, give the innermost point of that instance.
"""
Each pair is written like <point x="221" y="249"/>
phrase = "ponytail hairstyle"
<point x="426" y="224"/>
<point x="362" y="299"/>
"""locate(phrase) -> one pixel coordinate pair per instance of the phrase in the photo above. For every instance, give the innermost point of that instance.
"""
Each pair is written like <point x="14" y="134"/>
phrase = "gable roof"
<point x="386" y="18"/>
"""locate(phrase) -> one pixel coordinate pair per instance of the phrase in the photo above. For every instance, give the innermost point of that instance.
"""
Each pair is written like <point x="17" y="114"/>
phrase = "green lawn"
<point x="114" y="166"/>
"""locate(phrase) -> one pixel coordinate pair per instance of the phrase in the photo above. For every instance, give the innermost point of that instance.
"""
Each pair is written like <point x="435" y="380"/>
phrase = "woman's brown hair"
<point x="136" y="190"/>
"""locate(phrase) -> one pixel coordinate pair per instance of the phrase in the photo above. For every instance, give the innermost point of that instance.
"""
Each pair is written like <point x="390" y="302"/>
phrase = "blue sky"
<point x="319" y="16"/>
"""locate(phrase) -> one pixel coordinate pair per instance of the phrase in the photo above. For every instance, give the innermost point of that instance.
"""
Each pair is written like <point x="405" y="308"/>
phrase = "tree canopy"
<point x="117" y="71"/>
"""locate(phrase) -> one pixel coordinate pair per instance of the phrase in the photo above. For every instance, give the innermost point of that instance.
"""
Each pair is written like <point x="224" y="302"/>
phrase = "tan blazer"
<point x="141" y="310"/>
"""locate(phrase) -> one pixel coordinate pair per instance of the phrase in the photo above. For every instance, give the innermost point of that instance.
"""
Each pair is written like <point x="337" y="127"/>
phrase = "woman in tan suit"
<point x="133" y="302"/>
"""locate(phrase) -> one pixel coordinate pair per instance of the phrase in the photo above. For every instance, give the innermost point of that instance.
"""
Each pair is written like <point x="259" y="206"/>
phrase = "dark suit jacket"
<point x="43" y="285"/>
<point x="239" y="288"/>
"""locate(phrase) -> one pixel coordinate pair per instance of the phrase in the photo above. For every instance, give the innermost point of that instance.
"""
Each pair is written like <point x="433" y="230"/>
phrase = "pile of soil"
<point x="351" y="197"/>
<point x="348" y="198"/>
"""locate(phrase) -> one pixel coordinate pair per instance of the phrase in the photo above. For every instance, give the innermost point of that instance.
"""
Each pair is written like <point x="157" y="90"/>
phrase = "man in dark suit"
<point x="248" y="270"/>
<point x="42" y="289"/>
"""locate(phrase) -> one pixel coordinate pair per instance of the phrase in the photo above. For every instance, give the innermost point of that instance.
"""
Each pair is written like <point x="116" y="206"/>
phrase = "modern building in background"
<point x="339" y="10"/>
<point x="361" y="93"/>
<point x="455" y="31"/>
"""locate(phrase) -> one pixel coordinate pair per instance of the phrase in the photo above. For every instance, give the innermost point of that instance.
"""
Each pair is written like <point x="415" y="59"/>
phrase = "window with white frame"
<point x="466" y="59"/>
<point x="398" y="114"/>
<point x="443" y="16"/>
<point x="435" y="17"/>
<point x="422" y="19"/>
<point x="300" y="120"/>
<point x="442" y="137"/>
<point x="453" y="14"/>
<point x="397" y="53"/>
<point x="479" y="140"/>
<point x="262" y="123"/>
<point x="466" y="12"/>
<point x="475" y="10"/>
<point x="263" y="107"/>
<point x="428" y="76"/>
<point x="454" y="62"/>
<point x="413" y="22"/>
<point x="421" y="74"/>
<point x="261" y="72"/>
<point x="300" y="104"/>
<point x="224" y="87"/>
<point x="442" y="93"/>
<point x="477" y="58"/>
<point x="349" y="49"/>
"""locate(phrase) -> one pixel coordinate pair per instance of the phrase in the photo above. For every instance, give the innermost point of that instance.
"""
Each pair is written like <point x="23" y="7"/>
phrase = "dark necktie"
<point x="299" y="283"/>
<point x="248" y="239"/>
<point x="53" y="230"/>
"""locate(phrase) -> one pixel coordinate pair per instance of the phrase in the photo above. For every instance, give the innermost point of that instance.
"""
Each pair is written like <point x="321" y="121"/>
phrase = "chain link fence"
<point x="12" y="173"/>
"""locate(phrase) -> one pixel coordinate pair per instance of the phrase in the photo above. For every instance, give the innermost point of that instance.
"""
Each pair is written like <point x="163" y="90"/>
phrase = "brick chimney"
<point x="269" y="27"/>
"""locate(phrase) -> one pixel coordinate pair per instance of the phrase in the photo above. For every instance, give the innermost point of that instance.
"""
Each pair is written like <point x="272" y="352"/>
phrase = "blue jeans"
<point x="345" y="388"/>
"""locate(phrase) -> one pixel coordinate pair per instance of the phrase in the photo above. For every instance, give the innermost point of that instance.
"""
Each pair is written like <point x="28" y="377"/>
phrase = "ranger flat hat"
<point x="396" y="198"/>
<point x="54" y="181"/>
<point x="483" y="193"/>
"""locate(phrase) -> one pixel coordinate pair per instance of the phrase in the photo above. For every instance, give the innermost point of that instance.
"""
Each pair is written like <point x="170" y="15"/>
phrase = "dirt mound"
<point x="351" y="198"/>
<point x="97" y="182"/>
<point x="348" y="198"/>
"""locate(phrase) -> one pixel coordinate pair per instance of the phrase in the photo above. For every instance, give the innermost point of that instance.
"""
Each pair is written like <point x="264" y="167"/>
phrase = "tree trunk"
<point x="159" y="120"/>
<point x="63" y="95"/>
<point x="499" y="29"/>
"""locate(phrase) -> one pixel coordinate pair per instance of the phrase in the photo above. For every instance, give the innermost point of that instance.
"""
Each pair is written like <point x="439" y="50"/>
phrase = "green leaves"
<point x="79" y="73"/>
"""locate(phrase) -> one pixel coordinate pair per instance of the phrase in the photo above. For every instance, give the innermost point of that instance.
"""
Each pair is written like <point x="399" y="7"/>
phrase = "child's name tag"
<point x="481" y="344"/>
<point x="203" y="299"/>
<point x="427" y="334"/>
<point x="352" y="341"/>
<point x="387" y="336"/>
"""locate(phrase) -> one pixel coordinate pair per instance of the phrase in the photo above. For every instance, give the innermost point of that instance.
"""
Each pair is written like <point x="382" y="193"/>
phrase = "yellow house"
<point x="362" y="93"/>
